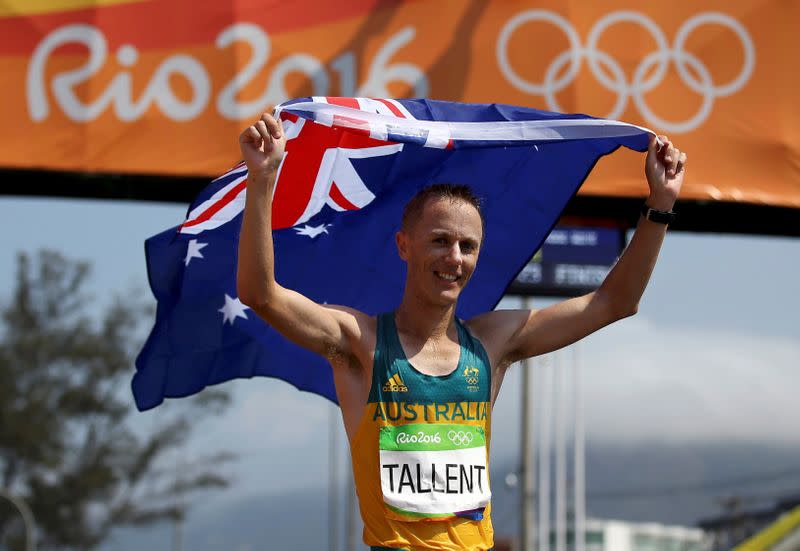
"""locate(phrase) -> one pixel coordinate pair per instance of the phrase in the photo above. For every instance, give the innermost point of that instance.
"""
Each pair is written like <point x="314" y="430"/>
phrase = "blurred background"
<point x="671" y="430"/>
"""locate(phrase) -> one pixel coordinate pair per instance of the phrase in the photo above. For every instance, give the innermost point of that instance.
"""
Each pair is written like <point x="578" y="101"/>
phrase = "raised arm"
<point x="513" y="335"/>
<point x="331" y="331"/>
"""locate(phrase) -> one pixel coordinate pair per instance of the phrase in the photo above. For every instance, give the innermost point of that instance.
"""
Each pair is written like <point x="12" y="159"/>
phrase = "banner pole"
<point x="333" y="478"/>
<point x="545" y="422"/>
<point x="580" y="455"/>
<point x="527" y="454"/>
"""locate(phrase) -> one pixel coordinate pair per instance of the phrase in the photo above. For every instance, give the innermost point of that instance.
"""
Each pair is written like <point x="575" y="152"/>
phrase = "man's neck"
<point x="425" y="321"/>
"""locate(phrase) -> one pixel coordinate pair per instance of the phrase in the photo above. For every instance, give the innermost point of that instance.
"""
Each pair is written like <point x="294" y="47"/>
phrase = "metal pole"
<point x="580" y="455"/>
<point x="177" y="532"/>
<point x="545" y="419"/>
<point x="27" y="518"/>
<point x="527" y="457"/>
<point x="560" y="396"/>
<point x="352" y="537"/>
<point x="333" y="478"/>
<point x="180" y="505"/>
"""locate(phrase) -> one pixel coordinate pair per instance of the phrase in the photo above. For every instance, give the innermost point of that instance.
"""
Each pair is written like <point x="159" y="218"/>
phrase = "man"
<point x="416" y="386"/>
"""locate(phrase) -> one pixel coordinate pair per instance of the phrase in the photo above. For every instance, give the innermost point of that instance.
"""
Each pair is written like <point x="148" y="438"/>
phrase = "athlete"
<point x="416" y="386"/>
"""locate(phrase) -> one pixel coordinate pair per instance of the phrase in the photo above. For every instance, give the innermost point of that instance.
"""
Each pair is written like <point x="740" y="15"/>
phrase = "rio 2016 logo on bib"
<point x="433" y="471"/>
<point x="460" y="438"/>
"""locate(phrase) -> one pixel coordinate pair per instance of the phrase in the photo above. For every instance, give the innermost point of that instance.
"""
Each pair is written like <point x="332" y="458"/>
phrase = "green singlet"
<point x="421" y="451"/>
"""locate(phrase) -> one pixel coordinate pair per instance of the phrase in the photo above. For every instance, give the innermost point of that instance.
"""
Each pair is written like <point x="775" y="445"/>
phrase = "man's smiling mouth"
<point x="447" y="277"/>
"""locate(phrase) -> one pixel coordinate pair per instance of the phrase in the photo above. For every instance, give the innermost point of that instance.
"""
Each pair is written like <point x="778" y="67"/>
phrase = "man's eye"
<point x="440" y="240"/>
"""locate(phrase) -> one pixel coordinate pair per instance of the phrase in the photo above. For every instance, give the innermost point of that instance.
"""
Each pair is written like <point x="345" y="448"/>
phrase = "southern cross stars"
<point x="193" y="251"/>
<point x="232" y="309"/>
<point x="312" y="231"/>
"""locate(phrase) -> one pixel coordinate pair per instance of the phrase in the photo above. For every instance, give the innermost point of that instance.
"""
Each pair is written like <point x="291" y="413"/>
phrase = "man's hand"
<point x="664" y="171"/>
<point x="262" y="146"/>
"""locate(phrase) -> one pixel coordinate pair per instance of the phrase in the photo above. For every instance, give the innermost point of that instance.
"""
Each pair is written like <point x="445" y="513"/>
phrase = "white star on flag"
<point x="232" y="309"/>
<point x="312" y="231"/>
<point x="193" y="251"/>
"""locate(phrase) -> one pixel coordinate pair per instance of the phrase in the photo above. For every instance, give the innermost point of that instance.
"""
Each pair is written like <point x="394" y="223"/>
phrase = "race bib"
<point x="433" y="471"/>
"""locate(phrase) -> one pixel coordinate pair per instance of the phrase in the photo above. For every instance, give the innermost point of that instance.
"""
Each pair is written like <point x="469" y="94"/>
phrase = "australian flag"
<point x="351" y="165"/>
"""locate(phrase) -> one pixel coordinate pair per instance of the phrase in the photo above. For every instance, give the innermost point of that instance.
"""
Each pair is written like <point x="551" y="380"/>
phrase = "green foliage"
<point x="67" y="444"/>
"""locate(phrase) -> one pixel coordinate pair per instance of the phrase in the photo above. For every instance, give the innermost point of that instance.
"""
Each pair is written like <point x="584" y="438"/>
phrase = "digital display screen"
<point x="573" y="261"/>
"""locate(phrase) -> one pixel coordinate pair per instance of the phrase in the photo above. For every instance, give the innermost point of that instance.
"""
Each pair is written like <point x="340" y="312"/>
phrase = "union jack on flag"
<point x="351" y="164"/>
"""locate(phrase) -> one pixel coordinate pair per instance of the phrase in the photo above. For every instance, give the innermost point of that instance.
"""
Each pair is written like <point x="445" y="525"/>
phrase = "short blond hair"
<point x="452" y="192"/>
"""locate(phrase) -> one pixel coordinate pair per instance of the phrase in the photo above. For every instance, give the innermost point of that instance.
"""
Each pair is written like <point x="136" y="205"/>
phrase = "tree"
<point x="67" y="443"/>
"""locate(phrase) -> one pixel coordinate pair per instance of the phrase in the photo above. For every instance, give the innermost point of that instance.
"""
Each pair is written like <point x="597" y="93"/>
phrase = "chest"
<point x="433" y="358"/>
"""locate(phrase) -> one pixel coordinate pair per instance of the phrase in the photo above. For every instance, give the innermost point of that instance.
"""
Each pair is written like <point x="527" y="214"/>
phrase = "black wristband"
<point x="658" y="216"/>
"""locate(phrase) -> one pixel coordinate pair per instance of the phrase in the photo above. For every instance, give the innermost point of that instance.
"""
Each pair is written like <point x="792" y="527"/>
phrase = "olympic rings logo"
<point x="609" y="73"/>
<point x="460" y="438"/>
<point x="471" y="375"/>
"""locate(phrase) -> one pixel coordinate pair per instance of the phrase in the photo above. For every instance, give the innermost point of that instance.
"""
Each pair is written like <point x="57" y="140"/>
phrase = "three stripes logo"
<point x="395" y="384"/>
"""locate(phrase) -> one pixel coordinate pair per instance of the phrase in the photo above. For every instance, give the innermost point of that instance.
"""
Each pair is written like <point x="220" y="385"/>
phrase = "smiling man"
<point x="416" y="386"/>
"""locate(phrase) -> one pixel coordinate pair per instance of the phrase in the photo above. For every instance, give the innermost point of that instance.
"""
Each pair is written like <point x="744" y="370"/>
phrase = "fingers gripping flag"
<point x="351" y="165"/>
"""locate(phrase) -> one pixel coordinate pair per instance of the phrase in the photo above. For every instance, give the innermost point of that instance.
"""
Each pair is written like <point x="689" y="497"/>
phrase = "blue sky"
<point x="713" y="354"/>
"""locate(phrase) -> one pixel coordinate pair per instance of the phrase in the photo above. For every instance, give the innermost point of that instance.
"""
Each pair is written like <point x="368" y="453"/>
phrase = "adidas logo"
<point x="395" y="384"/>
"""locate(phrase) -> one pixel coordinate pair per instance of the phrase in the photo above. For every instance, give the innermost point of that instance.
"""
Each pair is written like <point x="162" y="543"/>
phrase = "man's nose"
<point x="454" y="254"/>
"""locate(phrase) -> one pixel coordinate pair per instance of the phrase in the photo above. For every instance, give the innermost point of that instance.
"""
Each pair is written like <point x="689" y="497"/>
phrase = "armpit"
<point x="335" y="356"/>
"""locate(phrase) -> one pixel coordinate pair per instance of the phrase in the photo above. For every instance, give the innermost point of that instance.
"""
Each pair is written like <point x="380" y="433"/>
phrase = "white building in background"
<point x="616" y="535"/>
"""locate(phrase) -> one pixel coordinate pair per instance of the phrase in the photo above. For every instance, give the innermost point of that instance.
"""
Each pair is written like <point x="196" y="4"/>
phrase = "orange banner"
<point x="164" y="86"/>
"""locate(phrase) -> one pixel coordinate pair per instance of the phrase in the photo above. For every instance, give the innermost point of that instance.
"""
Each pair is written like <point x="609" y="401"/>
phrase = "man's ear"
<point x="401" y="238"/>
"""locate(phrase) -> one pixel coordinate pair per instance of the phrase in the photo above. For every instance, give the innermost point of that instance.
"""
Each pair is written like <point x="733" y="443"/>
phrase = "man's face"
<point x="441" y="249"/>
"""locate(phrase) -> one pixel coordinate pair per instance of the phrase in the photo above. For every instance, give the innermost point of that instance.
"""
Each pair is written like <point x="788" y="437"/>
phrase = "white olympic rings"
<point x="610" y="74"/>
<point x="460" y="438"/>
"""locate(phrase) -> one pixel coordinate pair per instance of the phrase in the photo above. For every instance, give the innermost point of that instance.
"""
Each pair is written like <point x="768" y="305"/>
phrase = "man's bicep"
<point x="496" y="330"/>
<point x="326" y="330"/>
<point x="528" y="333"/>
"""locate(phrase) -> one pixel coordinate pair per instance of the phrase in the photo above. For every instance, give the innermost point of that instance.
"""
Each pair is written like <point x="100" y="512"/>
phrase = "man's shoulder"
<point x="358" y="326"/>
<point x="482" y="324"/>
<point x="353" y="317"/>
<point x="494" y="329"/>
